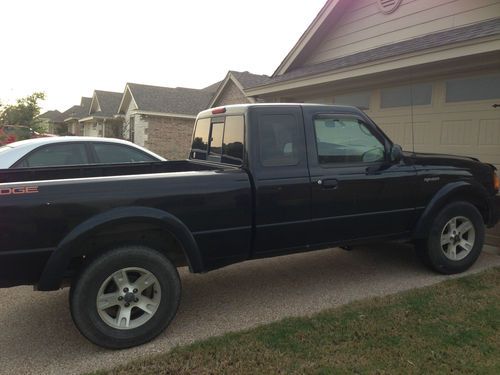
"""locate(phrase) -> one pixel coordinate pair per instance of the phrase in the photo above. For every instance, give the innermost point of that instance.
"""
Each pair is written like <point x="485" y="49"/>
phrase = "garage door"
<point x="454" y="116"/>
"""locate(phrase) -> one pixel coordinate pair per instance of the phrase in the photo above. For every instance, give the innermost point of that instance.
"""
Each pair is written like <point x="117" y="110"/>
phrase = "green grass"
<point x="452" y="327"/>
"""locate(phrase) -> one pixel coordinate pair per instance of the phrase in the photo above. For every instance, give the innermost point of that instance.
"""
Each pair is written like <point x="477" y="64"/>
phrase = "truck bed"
<point x="101" y="170"/>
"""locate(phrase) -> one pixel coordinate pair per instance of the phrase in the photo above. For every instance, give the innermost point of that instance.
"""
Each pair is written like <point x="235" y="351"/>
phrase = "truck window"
<point x="278" y="140"/>
<point x="346" y="140"/>
<point x="216" y="141"/>
<point x="200" y="139"/>
<point x="234" y="136"/>
<point x="219" y="139"/>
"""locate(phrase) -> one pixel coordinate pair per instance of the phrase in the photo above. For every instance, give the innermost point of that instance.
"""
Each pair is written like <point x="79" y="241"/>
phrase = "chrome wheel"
<point x="458" y="238"/>
<point x="128" y="298"/>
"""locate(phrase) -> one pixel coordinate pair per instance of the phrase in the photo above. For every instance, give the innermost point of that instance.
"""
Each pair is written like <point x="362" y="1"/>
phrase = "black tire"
<point x="430" y="250"/>
<point x="84" y="292"/>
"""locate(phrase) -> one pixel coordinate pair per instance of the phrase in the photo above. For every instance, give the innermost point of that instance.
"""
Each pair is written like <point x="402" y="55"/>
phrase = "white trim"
<point x="127" y="88"/>
<point x="306" y="37"/>
<point x="94" y="97"/>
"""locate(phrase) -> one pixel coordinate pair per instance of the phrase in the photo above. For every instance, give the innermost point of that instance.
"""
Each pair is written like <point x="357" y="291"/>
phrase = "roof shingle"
<point x="108" y="101"/>
<point x="178" y="100"/>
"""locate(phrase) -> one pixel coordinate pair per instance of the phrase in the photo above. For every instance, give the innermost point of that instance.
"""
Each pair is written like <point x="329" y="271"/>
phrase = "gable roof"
<point x="438" y="39"/>
<point x="105" y="103"/>
<point x="77" y="112"/>
<point x="242" y="80"/>
<point x="178" y="100"/>
<point x="54" y="116"/>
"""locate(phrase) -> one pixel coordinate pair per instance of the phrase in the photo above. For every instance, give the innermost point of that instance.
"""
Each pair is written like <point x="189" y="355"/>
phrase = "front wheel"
<point x="455" y="239"/>
<point x="125" y="297"/>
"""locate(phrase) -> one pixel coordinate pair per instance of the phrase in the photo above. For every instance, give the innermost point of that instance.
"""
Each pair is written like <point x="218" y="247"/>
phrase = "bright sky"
<point x="68" y="48"/>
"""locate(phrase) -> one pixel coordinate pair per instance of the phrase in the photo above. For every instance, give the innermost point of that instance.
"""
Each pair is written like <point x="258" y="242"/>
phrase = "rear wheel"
<point x="125" y="297"/>
<point x="455" y="239"/>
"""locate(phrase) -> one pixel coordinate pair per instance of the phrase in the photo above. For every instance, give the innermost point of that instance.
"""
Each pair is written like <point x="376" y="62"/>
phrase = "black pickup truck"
<point x="261" y="180"/>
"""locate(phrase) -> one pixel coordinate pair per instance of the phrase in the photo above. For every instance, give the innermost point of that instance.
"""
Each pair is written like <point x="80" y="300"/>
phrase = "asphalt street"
<point x="37" y="335"/>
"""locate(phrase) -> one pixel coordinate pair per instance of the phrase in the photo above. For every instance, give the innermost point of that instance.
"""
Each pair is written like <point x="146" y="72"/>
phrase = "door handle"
<point x="329" y="183"/>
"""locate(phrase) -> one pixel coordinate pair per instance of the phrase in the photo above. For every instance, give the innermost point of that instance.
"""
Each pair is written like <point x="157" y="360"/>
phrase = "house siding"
<point x="363" y="26"/>
<point x="169" y="137"/>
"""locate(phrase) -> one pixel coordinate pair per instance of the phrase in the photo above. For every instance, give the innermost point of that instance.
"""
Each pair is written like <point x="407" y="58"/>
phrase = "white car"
<point x="62" y="151"/>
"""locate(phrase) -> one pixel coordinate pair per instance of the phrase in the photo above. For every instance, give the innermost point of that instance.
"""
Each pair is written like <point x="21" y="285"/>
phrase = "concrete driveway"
<point x="37" y="334"/>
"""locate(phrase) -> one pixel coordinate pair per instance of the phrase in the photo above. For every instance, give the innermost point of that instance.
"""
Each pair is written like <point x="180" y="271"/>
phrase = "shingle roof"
<point x="457" y="35"/>
<point x="78" y="111"/>
<point x="54" y="116"/>
<point x="247" y="79"/>
<point x="213" y="87"/>
<point x="178" y="100"/>
<point x="109" y="102"/>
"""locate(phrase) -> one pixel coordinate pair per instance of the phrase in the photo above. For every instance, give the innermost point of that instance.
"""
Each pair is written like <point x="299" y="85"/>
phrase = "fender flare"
<point x="439" y="200"/>
<point x="53" y="273"/>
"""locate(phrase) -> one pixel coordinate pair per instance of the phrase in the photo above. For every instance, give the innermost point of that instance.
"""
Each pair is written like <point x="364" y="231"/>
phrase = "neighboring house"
<point x="73" y="115"/>
<point x="101" y="120"/>
<point x="53" y="122"/>
<point x="162" y="118"/>
<point x="232" y="89"/>
<point x="427" y="72"/>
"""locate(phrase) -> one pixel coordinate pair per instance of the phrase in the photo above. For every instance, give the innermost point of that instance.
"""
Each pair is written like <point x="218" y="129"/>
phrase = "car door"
<point x="356" y="191"/>
<point x="281" y="179"/>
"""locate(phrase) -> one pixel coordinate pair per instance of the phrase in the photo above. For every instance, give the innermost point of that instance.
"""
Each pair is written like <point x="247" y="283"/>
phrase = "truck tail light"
<point x="496" y="182"/>
<point x="217" y="111"/>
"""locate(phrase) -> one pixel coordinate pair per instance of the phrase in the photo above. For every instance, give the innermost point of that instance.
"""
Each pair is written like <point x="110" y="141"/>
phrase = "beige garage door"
<point x="454" y="116"/>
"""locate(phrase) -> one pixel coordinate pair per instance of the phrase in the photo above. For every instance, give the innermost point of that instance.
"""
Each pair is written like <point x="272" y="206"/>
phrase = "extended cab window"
<point x="219" y="139"/>
<point x="346" y="140"/>
<point x="278" y="140"/>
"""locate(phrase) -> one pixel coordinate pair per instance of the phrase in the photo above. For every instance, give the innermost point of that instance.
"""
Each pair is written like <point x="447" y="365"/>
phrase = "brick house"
<point x="72" y="116"/>
<point x="161" y="118"/>
<point x="100" y="120"/>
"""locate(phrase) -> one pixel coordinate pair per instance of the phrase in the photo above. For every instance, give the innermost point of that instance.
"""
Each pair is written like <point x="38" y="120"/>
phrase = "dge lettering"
<point x="19" y="190"/>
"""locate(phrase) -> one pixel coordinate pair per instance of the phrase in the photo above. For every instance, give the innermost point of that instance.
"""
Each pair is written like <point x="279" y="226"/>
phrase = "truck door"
<point x="281" y="177"/>
<point x="357" y="192"/>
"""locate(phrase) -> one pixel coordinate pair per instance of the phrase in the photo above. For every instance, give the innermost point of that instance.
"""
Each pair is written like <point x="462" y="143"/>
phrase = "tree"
<point x="24" y="112"/>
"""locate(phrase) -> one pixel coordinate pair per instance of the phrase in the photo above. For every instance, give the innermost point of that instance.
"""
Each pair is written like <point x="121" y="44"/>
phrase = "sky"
<point x="67" y="48"/>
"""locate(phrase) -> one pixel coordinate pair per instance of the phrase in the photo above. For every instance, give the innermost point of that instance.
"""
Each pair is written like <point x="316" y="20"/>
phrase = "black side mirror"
<point x="396" y="153"/>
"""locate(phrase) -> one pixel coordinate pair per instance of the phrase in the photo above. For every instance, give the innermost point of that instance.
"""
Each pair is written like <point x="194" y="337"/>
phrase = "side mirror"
<point x="396" y="153"/>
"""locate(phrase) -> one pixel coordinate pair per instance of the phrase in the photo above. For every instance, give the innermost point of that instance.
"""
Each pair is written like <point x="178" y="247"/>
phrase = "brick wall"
<point x="231" y="95"/>
<point x="169" y="137"/>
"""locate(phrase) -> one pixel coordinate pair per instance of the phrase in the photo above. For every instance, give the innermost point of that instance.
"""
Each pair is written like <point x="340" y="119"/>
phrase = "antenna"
<point x="411" y="113"/>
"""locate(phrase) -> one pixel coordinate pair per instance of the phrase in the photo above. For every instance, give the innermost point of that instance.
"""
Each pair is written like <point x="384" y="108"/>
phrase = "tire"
<point x="134" y="313"/>
<point x="455" y="239"/>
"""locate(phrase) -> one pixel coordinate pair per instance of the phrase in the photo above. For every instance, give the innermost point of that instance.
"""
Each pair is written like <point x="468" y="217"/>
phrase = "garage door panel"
<point x="489" y="132"/>
<point x="459" y="132"/>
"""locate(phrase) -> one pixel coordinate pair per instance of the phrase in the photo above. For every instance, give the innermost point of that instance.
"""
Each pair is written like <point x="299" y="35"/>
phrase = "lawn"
<point x="452" y="327"/>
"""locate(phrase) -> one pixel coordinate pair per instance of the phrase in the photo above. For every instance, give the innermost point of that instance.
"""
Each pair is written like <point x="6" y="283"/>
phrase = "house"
<point x="427" y="71"/>
<point x="232" y="89"/>
<point x="52" y="122"/>
<point x="100" y="121"/>
<point x="72" y="116"/>
<point x="162" y="118"/>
